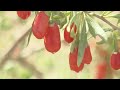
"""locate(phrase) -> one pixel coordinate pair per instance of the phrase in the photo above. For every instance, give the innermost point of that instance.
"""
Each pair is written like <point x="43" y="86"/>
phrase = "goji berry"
<point x="23" y="14"/>
<point x="67" y="36"/>
<point x="40" y="25"/>
<point x="101" y="70"/>
<point x="87" y="58"/>
<point x="73" y="61"/>
<point x="52" y="39"/>
<point x="115" y="61"/>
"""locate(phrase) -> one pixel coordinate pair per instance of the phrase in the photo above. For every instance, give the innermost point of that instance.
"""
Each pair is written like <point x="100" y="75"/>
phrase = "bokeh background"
<point x="34" y="61"/>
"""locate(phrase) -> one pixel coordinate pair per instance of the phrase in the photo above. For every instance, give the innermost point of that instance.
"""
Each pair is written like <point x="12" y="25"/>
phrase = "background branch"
<point x="9" y="53"/>
<point x="106" y="21"/>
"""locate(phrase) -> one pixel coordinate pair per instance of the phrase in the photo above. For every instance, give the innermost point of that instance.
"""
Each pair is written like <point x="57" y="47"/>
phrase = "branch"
<point x="106" y="21"/>
<point x="9" y="53"/>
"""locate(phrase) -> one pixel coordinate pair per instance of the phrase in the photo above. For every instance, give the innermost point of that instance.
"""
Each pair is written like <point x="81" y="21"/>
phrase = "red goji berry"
<point x="52" y="39"/>
<point x="40" y="25"/>
<point x="23" y="14"/>
<point x="115" y="61"/>
<point x="87" y="58"/>
<point x="67" y="36"/>
<point x="73" y="61"/>
<point x="101" y="70"/>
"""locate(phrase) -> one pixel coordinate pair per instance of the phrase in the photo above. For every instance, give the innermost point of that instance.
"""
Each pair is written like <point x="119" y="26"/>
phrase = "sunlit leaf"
<point x="98" y="30"/>
<point x="92" y="30"/>
<point x="105" y="13"/>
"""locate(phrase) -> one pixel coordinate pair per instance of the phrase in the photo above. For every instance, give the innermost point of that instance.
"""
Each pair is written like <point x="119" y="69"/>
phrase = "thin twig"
<point x="9" y="53"/>
<point x="106" y="21"/>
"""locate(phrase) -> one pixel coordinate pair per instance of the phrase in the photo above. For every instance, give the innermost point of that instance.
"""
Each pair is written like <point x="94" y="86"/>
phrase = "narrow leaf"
<point x="116" y="16"/>
<point x="29" y="38"/>
<point x="106" y="13"/>
<point x="73" y="45"/>
<point x="102" y="41"/>
<point x="82" y="44"/>
<point x="118" y="21"/>
<point x="92" y="31"/>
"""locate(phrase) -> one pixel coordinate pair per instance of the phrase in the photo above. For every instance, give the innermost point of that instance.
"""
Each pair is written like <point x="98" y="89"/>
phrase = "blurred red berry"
<point x="23" y="14"/>
<point x="115" y="61"/>
<point x="101" y="70"/>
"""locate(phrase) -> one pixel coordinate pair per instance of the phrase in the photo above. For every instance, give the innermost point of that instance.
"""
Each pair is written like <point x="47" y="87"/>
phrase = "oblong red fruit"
<point x="52" y="39"/>
<point x="40" y="25"/>
<point x="23" y="14"/>
<point x="73" y="61"/>
<point x="114" y="61"/>
<point x="118" y="58"/>
<point x="67" y="36"/>
<point x="87" y="58"/>
<point x="73" y="26"/>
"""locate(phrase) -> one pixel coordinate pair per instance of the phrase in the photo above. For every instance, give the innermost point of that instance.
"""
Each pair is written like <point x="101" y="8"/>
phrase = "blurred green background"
<point x="51" y="66"/>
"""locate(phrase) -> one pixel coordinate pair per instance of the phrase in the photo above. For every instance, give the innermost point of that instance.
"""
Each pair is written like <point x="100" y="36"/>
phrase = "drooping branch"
<point x="21" y="61"/>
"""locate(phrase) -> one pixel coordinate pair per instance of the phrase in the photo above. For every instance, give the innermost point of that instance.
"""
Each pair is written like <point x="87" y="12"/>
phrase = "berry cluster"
<point x="87" y="58"/>
<point x="42" y="29"/>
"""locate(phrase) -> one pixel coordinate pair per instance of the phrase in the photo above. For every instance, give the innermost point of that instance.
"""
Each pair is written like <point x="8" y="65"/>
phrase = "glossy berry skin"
<point x="67" y="36"/>
<point x="23" y="14"/>
<point x="73" y="61"/>
<point x="115" y="61"/>
<point x="101" y="70"/>
<point x="87" y="58"/>
<point x="40" y="25"/>
<point x="52" y="39"/>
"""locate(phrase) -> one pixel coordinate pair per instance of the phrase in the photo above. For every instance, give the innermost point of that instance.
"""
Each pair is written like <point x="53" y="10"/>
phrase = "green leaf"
<point x="82" y="44"/>
<point x="29" y="37"/>
<point x="56" y="17"/>
<point x="118" y="21"/>
<point x="111" y="42"/>
<point x="67" y="13"/>
<point x="102" y="41"/>
<point x="72" y="33"/>
<point x="71" y="15"/>
<point x="98" y="30"/>
<point x="105" y="13"/>
<point x="92" y="30"/>
<point x="76" y="20"/>
<point x="63" y="21"/>
<point x="87" y="27"/>
<point x="108" y="29"/>
<point x="73" y="45"/>
<point x="116" y="16"/>
<point x="115" y="42"/>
